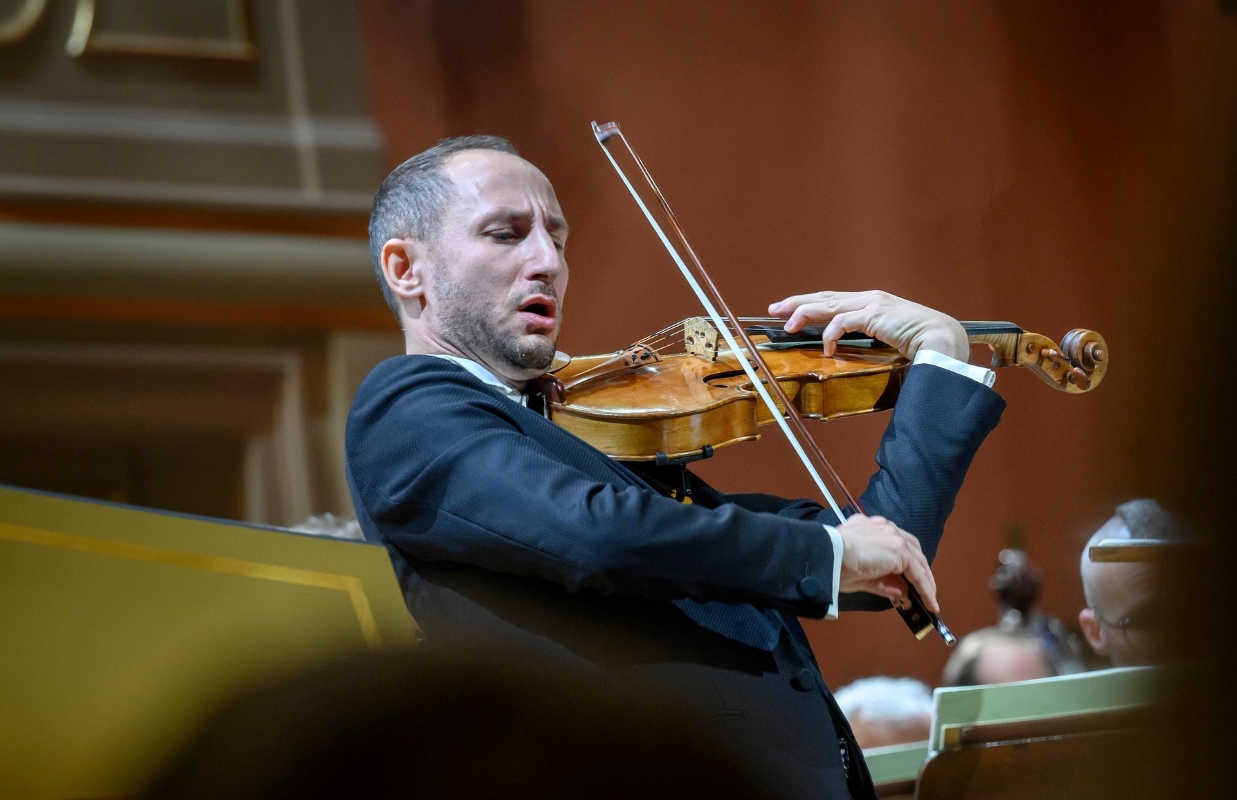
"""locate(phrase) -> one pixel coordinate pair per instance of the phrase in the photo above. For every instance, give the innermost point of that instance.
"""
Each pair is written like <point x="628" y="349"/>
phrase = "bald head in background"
<point x="992" y="655"/>
<point x="1124" y="608"/>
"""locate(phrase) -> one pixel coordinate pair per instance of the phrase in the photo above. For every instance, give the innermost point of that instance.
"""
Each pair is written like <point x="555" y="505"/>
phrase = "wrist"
<point x="952" y="343"/>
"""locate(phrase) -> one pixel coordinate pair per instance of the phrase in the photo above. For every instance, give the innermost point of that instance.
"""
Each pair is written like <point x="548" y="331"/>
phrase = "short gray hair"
<point x="1147" y="519"/>
<point x="1138" y="519"/>
<point x="412" y="198"/>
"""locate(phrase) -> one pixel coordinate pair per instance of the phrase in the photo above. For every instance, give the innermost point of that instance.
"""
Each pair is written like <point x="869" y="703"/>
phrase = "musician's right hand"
<point x="879" y="557"/>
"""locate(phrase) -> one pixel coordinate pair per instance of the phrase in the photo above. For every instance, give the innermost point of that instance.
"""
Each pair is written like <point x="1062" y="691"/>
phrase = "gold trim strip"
<point x="231" y="566"/>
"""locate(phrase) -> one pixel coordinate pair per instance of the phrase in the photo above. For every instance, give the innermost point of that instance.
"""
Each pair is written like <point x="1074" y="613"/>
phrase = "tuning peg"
<point x="1051" y="354"/>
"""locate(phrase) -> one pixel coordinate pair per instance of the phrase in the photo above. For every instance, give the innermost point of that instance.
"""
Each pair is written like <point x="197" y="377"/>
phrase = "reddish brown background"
<point x="1056" y="164"/>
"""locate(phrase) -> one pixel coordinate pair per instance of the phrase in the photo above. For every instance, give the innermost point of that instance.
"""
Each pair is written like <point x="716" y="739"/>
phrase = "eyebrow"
<point x="555" y="222"/>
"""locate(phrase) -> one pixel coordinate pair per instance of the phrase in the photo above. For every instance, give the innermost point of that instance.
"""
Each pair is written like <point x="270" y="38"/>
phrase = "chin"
<point x="532" y="353"/>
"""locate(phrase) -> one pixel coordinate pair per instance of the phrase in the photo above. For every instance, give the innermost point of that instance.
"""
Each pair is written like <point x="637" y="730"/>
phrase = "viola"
<point x="680" y="393"/>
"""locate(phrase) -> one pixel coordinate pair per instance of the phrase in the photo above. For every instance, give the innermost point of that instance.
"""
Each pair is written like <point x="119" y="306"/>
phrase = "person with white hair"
<point x="884" y="711"/>
<point x="1123" y="618"/>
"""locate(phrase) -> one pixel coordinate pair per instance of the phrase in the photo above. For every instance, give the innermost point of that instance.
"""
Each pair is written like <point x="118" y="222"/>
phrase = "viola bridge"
<point x="700" y="338"/>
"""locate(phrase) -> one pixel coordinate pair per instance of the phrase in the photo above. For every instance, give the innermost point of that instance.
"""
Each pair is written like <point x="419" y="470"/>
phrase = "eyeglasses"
<point x="1143" y="620"/>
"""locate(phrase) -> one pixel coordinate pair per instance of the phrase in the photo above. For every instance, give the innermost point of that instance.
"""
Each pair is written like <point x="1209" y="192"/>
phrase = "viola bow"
<point x="918" y="618"/>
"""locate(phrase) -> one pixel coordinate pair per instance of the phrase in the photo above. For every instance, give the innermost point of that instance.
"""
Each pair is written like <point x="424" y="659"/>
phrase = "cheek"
<point x="482" y="281"/>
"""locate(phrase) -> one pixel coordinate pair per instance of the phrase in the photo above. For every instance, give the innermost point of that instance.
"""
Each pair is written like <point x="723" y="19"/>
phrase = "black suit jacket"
<point x="508" y="532"/>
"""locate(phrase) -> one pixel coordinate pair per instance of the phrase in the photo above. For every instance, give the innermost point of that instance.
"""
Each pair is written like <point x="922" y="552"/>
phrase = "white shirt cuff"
<point x="836" y="538"/>
<point x="980" y="374"/>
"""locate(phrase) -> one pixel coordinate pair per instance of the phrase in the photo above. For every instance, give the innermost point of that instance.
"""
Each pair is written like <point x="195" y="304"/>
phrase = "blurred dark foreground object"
<point x="425" y="724"/>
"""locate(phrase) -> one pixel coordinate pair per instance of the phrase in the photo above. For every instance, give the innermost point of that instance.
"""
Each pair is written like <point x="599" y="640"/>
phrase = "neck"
<point x="419" y="342"/>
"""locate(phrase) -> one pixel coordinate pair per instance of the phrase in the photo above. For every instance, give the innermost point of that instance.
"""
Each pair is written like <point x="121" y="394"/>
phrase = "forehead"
<point x="486" y="179"/>
<point x="1124" y="586"/>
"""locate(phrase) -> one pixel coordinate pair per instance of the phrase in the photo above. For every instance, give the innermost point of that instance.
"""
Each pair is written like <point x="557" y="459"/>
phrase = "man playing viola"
<point x="509" y="533"/>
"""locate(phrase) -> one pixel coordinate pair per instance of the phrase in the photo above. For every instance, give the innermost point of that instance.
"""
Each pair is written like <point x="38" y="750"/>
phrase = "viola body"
<point x="636" y="405"/>
<point x="680" y="404"/>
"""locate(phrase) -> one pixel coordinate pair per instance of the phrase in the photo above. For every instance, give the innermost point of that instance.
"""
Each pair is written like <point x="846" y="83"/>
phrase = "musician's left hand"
<point x="907" y="326"/>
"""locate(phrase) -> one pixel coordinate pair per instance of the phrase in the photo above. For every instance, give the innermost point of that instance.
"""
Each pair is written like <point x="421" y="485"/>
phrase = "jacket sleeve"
<point x="445" y="473"/>
<point x="938" y="424"/>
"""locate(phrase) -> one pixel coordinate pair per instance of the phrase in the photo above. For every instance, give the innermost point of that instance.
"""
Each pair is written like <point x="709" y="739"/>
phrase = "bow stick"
<point x="917" y="616"/>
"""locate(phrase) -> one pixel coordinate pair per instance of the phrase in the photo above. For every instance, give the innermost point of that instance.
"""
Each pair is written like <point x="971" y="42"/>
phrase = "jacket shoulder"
<point x="409" y="405"/>
<point x="413" y="378"/>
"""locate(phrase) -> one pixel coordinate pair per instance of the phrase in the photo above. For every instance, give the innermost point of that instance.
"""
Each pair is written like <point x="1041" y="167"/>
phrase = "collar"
<point x="485" y="376"/>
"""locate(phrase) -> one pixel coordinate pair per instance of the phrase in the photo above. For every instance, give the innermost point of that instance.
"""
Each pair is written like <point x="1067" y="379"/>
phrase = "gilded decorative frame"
<point x="83" y="39"/>
<point x="18" y="25"/>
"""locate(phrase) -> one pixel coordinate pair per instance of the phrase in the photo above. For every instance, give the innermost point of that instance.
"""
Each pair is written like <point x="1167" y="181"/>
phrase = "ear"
<point x="404" y="266"/>
<point x="1091" y="629"/>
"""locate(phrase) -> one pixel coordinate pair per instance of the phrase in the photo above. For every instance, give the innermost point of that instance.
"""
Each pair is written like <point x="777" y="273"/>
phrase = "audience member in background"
<point x="419" y="724"/>
<point x="992" y="655"/>
<point x="1017" y="584"/>
<point x="1025" y="643"/>
<point x="884" y="711"/>
<point x="1124" y="615"/>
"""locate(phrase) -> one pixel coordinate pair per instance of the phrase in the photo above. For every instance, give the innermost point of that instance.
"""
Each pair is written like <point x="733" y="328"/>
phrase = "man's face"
<point x="1125" y="624"/>
<point x="1124" y="618"/>
<point x="498" y="273"/>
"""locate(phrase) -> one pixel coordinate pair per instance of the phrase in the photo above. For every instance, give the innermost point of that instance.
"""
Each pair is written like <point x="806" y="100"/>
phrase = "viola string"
<point x="661" y="334"/>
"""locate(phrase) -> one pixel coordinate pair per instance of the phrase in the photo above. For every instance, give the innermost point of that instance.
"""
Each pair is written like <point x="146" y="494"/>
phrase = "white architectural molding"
<point x="177" y="125"/>
<point x="77" y="249"/>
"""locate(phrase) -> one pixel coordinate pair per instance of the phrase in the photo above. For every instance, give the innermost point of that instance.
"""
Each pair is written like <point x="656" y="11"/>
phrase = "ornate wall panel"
<point x="257" y="104"/>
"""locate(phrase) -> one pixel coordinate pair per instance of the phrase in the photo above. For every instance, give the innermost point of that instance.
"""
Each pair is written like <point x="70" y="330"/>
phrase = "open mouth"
<point x="540" y="311"/>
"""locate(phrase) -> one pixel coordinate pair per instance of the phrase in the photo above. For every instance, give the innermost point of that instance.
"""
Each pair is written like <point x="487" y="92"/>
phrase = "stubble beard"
<point x="470" y="323"/>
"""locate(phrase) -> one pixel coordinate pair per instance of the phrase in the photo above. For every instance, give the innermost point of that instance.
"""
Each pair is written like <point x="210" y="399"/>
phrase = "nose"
<point x="545" y="261"/>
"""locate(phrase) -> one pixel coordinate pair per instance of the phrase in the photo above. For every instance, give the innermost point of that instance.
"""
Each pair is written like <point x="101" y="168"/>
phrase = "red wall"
<point x="1055" y="164"/>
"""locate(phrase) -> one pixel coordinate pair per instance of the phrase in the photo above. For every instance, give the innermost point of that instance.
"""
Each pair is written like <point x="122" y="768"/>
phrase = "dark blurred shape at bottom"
<point x="424" y="723"/>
